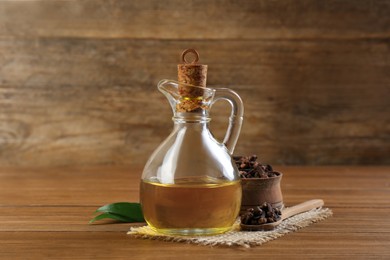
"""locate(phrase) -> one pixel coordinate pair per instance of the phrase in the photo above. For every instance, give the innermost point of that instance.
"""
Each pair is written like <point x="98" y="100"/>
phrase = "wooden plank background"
<point x="78" y="78"/>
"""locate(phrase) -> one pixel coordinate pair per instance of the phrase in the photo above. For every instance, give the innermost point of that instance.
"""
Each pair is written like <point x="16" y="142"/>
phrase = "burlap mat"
<point x="235" y="237"/>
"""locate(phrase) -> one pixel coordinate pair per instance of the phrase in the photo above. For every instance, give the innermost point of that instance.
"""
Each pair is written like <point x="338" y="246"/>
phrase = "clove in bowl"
<point x="260" y="183"/>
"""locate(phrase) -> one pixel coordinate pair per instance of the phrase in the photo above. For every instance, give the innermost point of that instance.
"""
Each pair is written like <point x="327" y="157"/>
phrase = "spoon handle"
<point x="302" y="207"/>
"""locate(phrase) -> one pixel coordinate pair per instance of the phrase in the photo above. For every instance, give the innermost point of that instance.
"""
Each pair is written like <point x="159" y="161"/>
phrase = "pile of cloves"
<point x="261" y="215"/>
<point x="249" y="167"/>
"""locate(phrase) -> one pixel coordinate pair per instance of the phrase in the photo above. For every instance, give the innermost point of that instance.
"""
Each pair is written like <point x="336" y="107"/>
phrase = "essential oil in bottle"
<point x="191" y="206"/>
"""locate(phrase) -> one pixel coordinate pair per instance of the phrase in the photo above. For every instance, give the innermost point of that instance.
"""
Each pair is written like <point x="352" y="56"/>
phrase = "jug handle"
<point x="236" y="116"/>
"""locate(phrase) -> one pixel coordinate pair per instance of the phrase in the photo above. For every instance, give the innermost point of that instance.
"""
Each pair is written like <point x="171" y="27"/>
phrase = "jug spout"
<point x="186" y="98"/>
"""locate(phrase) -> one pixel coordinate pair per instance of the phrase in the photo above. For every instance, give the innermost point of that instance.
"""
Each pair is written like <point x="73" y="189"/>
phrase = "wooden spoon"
<point x="286" y="213"/>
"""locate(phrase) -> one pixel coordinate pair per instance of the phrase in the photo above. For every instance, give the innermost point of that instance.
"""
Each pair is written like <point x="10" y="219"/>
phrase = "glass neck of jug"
<point x="191" y="104"/>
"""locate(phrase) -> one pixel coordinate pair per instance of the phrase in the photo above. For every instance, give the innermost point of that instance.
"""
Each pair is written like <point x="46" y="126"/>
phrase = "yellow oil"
<point x="191" y="207"/>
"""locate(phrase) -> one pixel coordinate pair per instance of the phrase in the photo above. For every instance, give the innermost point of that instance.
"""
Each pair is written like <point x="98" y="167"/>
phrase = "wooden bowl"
<point x="256" y="191"/>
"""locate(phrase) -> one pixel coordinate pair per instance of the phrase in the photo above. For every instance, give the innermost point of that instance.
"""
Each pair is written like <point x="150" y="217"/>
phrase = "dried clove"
<point x="249" y="167"/>
<point x="261" y="215"/>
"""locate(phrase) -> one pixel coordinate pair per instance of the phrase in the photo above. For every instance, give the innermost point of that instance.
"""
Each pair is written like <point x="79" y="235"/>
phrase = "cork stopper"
<point x="190" y="72"/>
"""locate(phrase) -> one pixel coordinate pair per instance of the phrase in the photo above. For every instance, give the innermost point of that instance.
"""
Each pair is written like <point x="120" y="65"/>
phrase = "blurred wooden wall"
<point x="78" y="78"/>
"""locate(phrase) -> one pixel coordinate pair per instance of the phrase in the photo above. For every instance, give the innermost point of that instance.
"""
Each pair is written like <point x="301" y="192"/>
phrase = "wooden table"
<point x="44" y="214"/>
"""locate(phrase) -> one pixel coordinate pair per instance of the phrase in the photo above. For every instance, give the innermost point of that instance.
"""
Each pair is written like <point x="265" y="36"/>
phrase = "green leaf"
<point x="130" y="210"/>
<point x="110" y="215"/>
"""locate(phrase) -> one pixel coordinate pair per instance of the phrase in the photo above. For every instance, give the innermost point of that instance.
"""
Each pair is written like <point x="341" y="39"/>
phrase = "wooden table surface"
<point x="44" y="214"/>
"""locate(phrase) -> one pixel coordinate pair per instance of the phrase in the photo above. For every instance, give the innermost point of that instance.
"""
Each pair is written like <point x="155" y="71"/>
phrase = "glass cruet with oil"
<point x="190" y="184"/>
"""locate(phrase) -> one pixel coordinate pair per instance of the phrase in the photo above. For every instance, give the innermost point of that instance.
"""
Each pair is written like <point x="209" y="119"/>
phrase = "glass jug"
<point x="190" y="184"/>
